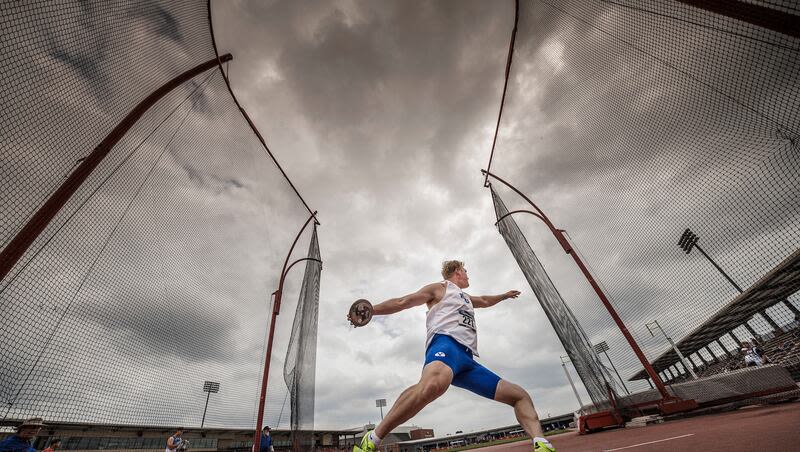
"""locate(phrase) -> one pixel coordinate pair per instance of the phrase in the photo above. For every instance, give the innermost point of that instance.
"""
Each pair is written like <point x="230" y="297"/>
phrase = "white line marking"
<point x="649" y="442"/>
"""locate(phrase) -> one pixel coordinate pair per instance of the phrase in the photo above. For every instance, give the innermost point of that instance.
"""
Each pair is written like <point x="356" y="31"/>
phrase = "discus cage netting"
<point x="299" y="370"/>
<point x="595" y="377"/>
<point x="629" y="123"/>
<point x="155" y="276"/>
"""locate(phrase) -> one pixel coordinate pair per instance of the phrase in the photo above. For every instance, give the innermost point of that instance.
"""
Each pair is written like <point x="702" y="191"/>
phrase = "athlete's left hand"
<point x="511" y="294"/>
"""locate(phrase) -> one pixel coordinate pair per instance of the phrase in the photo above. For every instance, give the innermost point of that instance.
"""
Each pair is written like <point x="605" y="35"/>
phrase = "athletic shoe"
<point x="367" y="445"/>
<point x="543" y="446"/>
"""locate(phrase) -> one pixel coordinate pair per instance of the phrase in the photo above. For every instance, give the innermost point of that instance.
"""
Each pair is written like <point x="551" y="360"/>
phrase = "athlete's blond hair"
<point x="450" y="267"/>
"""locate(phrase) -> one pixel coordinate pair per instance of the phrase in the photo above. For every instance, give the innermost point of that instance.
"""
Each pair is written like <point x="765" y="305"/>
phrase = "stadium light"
<point x="674" y="347"/>
<point x="603" y="347"/>
<point x="688" y="241"/>
<point x="380" y="403"/>
<point x="209" y="387"/>
<point x="569" y="378"/>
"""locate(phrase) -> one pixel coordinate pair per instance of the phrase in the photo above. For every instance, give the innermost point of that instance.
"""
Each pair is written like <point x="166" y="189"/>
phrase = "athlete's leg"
<point x="435" y="379"/>
<point x="514" y="395"/>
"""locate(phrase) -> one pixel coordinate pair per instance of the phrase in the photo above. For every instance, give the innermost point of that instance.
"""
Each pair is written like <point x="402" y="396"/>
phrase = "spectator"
<point x="175" y="442"/>
<point x="55" y="444"/>
<point x="21" y="442"/>
<point x="266" y="440"/>
<point x="751" y="357"/>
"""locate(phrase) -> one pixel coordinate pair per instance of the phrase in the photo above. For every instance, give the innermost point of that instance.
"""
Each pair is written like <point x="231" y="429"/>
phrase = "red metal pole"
<point x="25" y="237"/>
<point x="568" y="248"/>
<point x="275" y="311"/>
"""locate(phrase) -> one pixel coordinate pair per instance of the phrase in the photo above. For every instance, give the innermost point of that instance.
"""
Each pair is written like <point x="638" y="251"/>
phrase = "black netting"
<point x="595" y="377"/>
<point x="300" y="366"/>
<point x="155" y="276"/>
<point x="629" y="122"/>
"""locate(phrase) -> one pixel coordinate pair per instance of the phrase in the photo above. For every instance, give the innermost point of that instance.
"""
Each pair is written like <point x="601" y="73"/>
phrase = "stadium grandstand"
<point x="780" y="343"/>
<point x="92" y="437"/>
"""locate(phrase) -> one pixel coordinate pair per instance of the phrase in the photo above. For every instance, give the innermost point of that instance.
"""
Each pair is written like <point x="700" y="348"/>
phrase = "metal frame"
<point x="278" y="294"/>
<point x="17" y="247"/>
<point x="666" y="397"/>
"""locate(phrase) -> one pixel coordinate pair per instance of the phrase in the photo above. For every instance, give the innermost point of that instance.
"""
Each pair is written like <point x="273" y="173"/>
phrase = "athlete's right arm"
<point x="425" y="295"/>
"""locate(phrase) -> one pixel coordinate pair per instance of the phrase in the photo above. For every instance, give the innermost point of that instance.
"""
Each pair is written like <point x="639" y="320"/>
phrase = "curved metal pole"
<point x="246" y="116"/>
<point x="518" y="211"/>
<point x="301" y="260"/>
<point x="275" y="311"/>
<point x="556" y="232"/>
<point x="665" y="396"/>
<point x="41" y="218"/>
<point x="505" y="87"/>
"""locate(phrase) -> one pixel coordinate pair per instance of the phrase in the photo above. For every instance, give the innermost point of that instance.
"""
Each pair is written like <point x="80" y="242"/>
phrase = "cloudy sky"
<point x="382" y="114"/>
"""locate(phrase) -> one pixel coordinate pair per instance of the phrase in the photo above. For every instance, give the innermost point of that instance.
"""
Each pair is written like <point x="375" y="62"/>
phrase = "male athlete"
<point x="452" y="343"/>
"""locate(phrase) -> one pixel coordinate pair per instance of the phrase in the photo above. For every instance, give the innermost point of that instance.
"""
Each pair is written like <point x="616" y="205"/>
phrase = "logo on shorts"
<point x="439" y="354"/>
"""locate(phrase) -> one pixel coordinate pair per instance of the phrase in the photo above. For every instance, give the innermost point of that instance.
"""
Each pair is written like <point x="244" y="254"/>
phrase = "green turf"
<point x="503" y="441"/>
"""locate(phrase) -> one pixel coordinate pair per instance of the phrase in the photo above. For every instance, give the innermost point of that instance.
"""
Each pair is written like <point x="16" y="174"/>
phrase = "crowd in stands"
<point x="780" y="347"/>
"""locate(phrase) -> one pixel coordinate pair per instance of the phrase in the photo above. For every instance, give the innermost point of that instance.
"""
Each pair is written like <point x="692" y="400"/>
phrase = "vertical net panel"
<point x="155" y="276"/>
<point x="629" y="122"/>
<point x="301" y="355"/>
<point x="575" y="342"/>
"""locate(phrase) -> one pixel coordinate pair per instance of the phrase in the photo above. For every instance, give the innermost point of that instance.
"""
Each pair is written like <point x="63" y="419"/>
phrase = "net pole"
<point x="275" y="311"/>
<point x="612" y="312"/>
<point x="17" y="247"/>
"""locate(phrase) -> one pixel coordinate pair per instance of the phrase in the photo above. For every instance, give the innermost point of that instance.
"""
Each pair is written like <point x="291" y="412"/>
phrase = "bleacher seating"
<point x="780" y="347"/>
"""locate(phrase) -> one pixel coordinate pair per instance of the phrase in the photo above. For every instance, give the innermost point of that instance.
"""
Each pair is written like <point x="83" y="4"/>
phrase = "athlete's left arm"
<point x="484" y="301"/>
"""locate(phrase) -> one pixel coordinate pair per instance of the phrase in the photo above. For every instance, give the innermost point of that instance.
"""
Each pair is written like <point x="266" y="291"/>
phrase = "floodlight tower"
<point x="603" y="348"/>
<point x="674" y="347"/>
<point x="209" y="387"/>
<point x="380" y="403"/>
<point x="688" y="241"/>
<point x="569" y="378"/>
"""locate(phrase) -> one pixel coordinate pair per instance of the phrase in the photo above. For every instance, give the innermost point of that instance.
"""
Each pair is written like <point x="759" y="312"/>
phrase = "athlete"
<point x="450" y="347"/>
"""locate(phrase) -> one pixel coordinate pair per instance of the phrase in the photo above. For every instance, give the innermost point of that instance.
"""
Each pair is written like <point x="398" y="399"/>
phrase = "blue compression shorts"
<point x="467" y="373"/>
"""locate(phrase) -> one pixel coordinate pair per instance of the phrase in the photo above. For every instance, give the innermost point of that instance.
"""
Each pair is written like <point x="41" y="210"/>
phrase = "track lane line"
<point x="649" y="442"/>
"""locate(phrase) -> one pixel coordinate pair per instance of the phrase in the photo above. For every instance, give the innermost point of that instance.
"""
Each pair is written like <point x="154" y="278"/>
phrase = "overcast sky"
<point x="382" y="114"/>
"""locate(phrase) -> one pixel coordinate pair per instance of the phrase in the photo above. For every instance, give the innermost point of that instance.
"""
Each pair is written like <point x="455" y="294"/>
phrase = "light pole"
<point x="275" y="311"/>
<point x="380" y="403"/>
<point x="688" y="241"/>
<point x="209" y="387"/>
<point x="603" y="348"/>
<point x="569" y="378"/>
<point x="674" y="347"/>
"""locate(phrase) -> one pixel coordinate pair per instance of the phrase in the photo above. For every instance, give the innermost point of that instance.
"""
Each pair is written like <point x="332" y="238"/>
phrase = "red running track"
<point x="761" y="428"/>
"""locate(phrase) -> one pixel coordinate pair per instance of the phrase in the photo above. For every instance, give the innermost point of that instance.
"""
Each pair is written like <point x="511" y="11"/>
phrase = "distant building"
<point x="421" y="433"/>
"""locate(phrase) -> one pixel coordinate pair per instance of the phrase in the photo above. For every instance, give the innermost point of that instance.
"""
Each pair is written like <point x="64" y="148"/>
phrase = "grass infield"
<point x="501" y="441"/>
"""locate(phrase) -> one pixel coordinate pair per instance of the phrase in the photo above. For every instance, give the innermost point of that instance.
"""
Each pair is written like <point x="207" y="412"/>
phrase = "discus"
<point x="360" y="313"/>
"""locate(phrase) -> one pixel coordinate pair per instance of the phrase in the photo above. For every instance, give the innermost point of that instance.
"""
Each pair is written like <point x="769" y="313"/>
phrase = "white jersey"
<point x="454" y="316"/>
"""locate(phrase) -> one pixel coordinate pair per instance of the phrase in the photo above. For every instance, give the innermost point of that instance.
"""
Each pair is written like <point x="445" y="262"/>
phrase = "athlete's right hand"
<point x="360" y="313"/>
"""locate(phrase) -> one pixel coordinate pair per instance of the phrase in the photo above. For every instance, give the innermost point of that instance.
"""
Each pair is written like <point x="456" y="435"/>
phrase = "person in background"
<point x="751" y="357"/>
<point x="21" y="442"/>
<point x="266" y="440"/>
<point x="175" y="441"/>
<point x="55" y="444"/>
